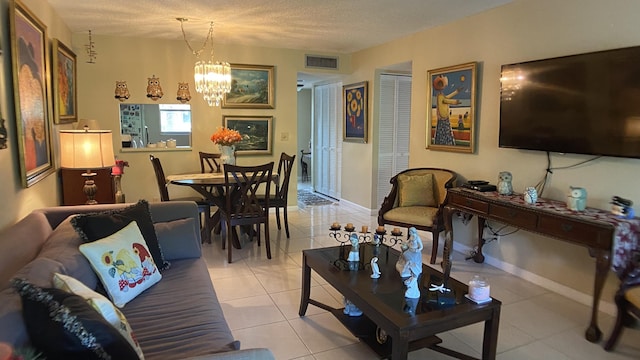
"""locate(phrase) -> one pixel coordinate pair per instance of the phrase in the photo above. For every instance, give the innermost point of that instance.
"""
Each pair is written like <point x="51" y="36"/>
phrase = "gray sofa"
<point x="177" y="318"/>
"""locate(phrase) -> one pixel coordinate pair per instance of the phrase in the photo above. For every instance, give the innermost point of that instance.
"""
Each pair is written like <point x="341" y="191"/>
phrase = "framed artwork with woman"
<point x="31" y="89"/>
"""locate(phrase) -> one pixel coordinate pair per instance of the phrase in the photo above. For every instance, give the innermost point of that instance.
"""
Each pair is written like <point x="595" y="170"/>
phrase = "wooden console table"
<point x="598" y="230"/>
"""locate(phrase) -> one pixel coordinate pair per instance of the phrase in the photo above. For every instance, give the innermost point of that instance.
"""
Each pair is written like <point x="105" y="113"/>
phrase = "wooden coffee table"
<point x="406" y="324"/>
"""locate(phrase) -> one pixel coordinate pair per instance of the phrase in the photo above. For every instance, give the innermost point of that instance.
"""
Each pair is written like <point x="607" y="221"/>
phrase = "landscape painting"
<point x="252" y="87"/>
<point x="256" y="133"/>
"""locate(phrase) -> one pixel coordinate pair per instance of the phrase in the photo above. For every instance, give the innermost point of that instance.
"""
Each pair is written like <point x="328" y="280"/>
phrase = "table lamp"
<point x="86" y="149"/>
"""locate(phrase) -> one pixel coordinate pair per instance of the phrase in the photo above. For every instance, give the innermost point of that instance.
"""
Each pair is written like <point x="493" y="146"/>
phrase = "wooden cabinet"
<point x="72" y="182"/>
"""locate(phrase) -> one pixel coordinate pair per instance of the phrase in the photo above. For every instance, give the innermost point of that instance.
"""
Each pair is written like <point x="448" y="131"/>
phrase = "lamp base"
<point x="90" y="188"/>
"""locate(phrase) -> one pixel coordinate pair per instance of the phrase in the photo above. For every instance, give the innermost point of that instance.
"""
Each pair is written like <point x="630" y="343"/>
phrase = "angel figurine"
<point x="411" y="255"/>
<point x="375" y="269"/>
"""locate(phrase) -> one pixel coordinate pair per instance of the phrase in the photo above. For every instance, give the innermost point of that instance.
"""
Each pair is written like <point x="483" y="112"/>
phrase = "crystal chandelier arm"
<point x="204" y="44"/>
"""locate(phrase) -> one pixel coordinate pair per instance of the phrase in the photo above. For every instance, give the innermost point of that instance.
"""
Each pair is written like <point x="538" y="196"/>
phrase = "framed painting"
<point x="31" y="93"/>
<point x="256" y="131"/>
<point x="64" y="83"/>
<point x="355" y="121"/>
<point x="252" y="87"/>
<point x="451" y="108"/>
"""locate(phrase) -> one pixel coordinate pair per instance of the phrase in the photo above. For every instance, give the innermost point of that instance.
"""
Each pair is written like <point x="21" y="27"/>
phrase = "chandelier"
<point x="212" y="79"/>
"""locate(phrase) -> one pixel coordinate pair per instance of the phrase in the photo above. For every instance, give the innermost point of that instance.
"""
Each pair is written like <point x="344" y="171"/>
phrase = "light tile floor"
<point x="260" y="300"/>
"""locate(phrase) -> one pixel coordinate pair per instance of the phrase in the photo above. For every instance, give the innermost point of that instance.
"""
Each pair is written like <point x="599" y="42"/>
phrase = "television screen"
<point x="582" y="104"/>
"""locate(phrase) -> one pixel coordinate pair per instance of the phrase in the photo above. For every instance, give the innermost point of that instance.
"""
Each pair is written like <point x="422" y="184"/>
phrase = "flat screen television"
<point x="581" y="104"/>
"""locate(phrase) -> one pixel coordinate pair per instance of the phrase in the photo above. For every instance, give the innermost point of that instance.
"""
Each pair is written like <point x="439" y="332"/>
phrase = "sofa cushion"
<point x="64" y="326"/>
<point x="176" y="236"/>
<point x="415" y="215"/>
<point x="123" y="263"/>
<point x="416" y="190"/>
<point x="102" y="305"/>
<point x="92" y="227"/>
<point x="12" y="327"/>
<point x="180" y="316"/>
<point x="62" y="246"/>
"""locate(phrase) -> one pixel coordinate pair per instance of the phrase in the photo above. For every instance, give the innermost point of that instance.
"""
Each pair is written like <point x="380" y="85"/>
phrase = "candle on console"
<point x="380" y="229"/>
<point x="365" y="228"/>
<point x="349" y="225"/>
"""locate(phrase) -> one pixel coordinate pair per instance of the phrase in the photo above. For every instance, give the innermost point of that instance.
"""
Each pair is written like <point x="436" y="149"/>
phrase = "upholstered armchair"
<point x="416" y="200"/>
<point x="627" y="300"/>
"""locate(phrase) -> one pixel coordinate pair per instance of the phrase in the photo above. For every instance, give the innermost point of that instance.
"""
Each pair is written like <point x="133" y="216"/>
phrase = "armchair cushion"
<point x="416" y="190"/>
<point x="633" y="296"/>
<point x="416" y="215"/>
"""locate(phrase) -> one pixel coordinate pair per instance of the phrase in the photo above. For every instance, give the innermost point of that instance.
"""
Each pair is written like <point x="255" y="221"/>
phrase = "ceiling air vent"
<point x="322" y="62"/>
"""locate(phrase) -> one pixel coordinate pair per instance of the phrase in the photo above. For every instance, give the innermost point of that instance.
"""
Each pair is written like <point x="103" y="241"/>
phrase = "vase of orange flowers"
<point x="226" y="140"/>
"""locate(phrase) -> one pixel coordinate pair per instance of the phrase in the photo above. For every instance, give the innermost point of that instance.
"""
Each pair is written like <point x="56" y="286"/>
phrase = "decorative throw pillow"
<point x="416" y="190"/>
<point x="64" y="326"/>
<point x="172" y="235"/>
<point x="92" y="227"/>
<point x="123" y="264"/>
<point x="101" y="304"/>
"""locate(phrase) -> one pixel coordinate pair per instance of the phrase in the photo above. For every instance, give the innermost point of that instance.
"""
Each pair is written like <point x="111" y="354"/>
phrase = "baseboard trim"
<point x="360" y="207"/>
<point x="585" y="299"/>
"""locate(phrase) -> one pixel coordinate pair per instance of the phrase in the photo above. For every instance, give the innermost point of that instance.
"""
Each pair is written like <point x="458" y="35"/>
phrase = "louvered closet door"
<point x="327" y="139"/>
<point x="393" y="131"/>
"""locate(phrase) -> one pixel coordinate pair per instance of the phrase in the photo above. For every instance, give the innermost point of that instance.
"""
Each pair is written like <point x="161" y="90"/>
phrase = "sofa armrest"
<point x="245" y="354"/>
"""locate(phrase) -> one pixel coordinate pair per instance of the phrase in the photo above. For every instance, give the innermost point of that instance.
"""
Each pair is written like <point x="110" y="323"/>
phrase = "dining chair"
<point x="279" y="199"/>
<point x="204" y="207"/>
<point x="210" y="162"/>
<point x="242" y="204"/>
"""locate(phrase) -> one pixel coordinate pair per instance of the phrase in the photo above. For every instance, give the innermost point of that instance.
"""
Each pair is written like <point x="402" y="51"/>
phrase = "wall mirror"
<point x="155" y="125"/>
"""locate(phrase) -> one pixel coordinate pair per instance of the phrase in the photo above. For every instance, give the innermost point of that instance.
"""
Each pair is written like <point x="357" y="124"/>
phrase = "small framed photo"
<point x="252" y="87"/>
<point x="355" y="109"/>
<point x="256" y="130"/>
<point x="64" y="83"/>
<point x="451" y="108"/>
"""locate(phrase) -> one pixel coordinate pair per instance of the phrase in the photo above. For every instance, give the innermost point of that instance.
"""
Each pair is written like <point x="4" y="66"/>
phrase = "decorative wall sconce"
<point x="154" y="90"/>
<point x="183" y="94"/>
<point x="122" y="91"/>
<point x="90" y="48"/>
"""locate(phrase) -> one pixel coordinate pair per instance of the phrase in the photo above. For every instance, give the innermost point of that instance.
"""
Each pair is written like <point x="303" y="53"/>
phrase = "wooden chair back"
<point x="160" y="178"/>
<point x="243" y="205"/>
<point x="210" y="162"/>
<point x="284" y="172"/>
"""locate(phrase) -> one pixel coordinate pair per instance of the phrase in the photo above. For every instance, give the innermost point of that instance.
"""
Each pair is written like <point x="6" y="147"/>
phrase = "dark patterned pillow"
<point x="94" y="226"/>
<point x="64" y="326"/>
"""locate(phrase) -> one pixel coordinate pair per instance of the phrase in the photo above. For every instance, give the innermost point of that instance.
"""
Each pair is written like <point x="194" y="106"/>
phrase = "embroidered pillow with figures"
<point x="123" y="263"/>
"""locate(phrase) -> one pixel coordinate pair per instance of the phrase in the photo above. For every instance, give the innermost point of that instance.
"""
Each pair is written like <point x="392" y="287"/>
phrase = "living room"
<point x="519" y="31"/>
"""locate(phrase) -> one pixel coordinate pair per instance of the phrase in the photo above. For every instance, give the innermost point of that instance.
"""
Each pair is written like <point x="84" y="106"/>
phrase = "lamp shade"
<point x="92" y="124"/>
<point x="86" y="149"/>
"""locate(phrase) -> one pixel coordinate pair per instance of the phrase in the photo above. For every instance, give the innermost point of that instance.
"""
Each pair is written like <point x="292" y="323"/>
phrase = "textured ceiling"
<point x="337" y="26"/>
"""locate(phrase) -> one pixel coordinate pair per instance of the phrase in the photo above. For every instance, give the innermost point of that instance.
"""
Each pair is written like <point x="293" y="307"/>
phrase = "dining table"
<point x="211" y="186"/>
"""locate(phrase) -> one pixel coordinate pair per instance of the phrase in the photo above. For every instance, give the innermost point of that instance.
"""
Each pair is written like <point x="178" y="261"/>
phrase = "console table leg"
<point x="603" y="262"/>
<point x="448" y="243"/>
<point x="478" y="257"/>
<point x="306" y="287"/>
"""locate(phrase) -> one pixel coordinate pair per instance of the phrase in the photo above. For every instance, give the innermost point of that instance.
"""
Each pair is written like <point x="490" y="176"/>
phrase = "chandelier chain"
<point x="204" y="43"/>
